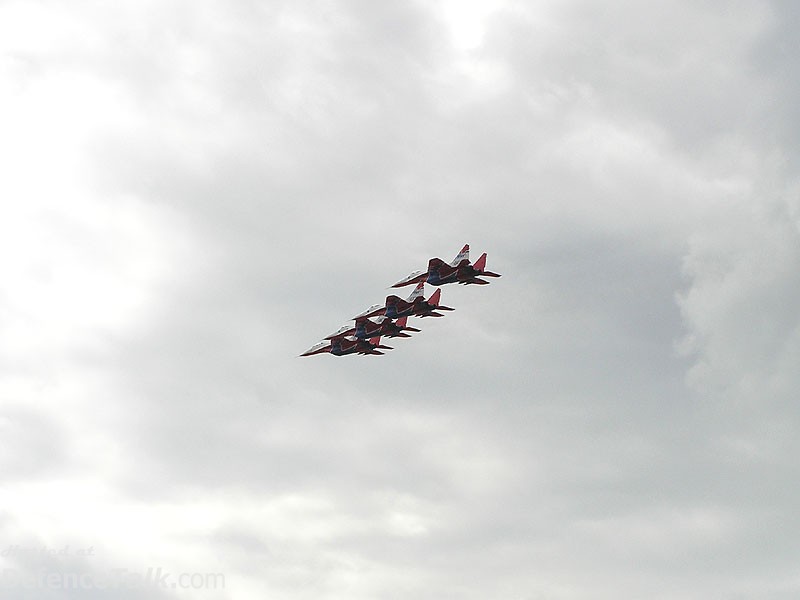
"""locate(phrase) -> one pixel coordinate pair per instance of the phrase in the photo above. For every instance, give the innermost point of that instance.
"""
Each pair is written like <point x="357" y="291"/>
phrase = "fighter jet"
<point x="416" y="305"/>
<point x="390" y="319"/>
<point x="471" y="274"/>
<point x="385" y="327"/>
<point x="347" y="345"/>
<point x="459" y="270"/>
<point x="366" y="328"/>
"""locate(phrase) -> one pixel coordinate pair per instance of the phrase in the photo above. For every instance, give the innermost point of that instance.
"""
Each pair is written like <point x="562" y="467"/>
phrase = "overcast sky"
<point x="194" y="192"/>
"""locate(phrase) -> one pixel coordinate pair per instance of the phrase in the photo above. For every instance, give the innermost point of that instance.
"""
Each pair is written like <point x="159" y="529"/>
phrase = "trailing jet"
<point x="459" y="270"/>
<point x="416" y="305"/>
<point x="366" y="328"/>
<point x="347" y="345"/>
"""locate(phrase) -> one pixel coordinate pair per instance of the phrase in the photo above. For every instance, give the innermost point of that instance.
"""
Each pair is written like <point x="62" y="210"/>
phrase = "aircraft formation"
<point x="390" y="319"/>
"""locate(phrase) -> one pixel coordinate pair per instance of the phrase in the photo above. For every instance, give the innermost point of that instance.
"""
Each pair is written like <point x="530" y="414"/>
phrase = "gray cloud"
<point x="612" y="417"/>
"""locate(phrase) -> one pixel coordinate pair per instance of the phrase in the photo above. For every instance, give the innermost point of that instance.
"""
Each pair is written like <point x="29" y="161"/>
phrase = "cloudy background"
<point x="194" y="192"/>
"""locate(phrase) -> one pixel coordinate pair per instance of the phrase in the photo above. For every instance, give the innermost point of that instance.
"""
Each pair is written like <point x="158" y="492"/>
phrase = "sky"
<point x="195" y="192"/>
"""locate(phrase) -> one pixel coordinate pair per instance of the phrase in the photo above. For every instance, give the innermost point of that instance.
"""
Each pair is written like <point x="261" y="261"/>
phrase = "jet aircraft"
<point x="459" y="270"/>
<point x="416" y="305"/>
<point x="390" y="319"/>
<point x="366" y="328"/>
<point x="348" y="345"/>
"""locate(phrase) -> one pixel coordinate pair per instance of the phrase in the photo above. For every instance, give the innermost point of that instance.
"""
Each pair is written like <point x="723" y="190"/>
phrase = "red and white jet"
<point x="347" y="345"/>
<point x="416" y="305"/>
<point x="459" y="270"/>
<point x="366" y="328"/>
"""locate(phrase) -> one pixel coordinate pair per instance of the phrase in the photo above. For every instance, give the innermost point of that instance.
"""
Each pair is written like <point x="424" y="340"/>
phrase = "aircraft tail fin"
<point x="480" y="264"/>
<point x="376" y="342"/>
<point x="418" y="291"/>
<point x="480" y="269"/>
<point x="402" y="323"/>
<point x="434" y="302"/>
<point x="461" y="256"/>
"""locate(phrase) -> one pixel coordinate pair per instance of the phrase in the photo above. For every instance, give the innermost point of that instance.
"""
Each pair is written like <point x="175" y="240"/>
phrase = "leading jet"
<point x="459" y="270"/>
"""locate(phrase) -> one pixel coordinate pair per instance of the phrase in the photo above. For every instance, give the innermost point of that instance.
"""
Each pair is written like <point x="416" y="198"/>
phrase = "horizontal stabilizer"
<point x="479" y="268"/>
<point x="376" y="343"/>
<point x="403" y="324"/>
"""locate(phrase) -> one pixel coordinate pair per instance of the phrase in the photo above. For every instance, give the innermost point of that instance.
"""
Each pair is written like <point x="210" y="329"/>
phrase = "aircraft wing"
<point x="413" y="278"/>
<point x="372" y="311"/>
<point x="343" y="331"/>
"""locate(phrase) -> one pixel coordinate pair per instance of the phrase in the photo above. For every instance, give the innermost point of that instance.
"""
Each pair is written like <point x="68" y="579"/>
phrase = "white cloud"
<point x="744" y="283"/>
